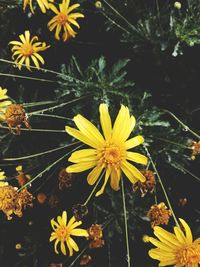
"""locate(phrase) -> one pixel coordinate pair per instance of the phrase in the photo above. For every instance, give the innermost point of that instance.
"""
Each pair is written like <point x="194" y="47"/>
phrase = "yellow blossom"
<point x="109" y="153"/>
<point x="4" y="103"/>
<point x="27" y="49"/>
<point x="63" y="231"/>
<point x="176" y="249"/>
<point x="43" y="4"/>
<point x="64" y="20"/>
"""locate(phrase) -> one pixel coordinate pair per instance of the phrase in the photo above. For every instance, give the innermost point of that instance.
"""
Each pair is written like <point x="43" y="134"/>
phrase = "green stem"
<point x="93" y="190"/>
<point x="126" y="225"/>
<point x="161" y="183"/>
<point x="52" y="116"/>
<point x="174" y="143"/>
<point x="182" y="124"/>
<point x="34" y="130"/>
<point x="187" y="171"/>
<point x="27" y="77"/>
<point x="38" y="103"/>
<point x="39" y="175"/>
<point x="40" y="154"/>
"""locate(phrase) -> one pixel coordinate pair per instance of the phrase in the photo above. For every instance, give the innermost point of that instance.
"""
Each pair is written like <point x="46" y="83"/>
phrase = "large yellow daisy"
<point x="28" y="49"/>
<point x="4" y="103"/>
<point x="177" y="249"/>
<point x="62" y="233"/>
<point x="64" y="19"/>
<point x="43" y="4"/>
<point x="109" y="153"/>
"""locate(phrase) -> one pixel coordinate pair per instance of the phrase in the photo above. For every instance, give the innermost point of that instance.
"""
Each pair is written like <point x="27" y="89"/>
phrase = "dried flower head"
<point x="43" y="4"/>
<point x="41" y="197"/>
<point x="109" y="153"/>
<point x="23" y="200"/>
<point x="182" y="201"/>
<point x="15" y="116"/>
<point x="53" y="201"/>
<point x="79" y="211"/>
<point x="65" y="179"/>
<point x="159" y="214"/>
<point x="57" y="265"/>
<point x="62" y="232"/>
<point x="195" y="149"/>
<point x="85" y="260"/>
<point x="176" y="249"/>
<point x="27" y="50"/>
<point x="64" y="20"/>
<point x="21" y="178"/>
<point x="146" y="186"/>
<point x="4" y="103"/>
<point x="95" y="232"/>
<point x="98" y="243"/>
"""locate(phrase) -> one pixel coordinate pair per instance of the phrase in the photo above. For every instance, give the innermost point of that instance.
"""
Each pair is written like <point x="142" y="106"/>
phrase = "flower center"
<point x="189" y="254"/>
<point x="27" y="49"/>
<point x="62" y="233"/>
<point x="111" y="155"/>
<point x="61" y="18"/>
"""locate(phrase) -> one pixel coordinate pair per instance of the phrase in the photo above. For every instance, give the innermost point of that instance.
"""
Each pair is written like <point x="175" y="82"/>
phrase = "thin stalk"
<point x="125" y="224"/>
<point x="38" y="103"/>
<point x="174" y="143"/>
<point x="52" y="116"/>
<point x="57" y="106"/>
<point x="161" y="183"/>
<point x="93" y="190"/>
<point x="46" y="169"/>
<point x="34" y="130"/>
<point x="187" y="171"/>
<point x="182" y="124"/>
<point x="40" y="154"/>
<point x="27" y="77"/>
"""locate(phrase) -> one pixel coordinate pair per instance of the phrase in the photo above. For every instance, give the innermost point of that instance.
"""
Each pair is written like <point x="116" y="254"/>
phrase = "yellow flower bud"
<point x="177" y="5"/>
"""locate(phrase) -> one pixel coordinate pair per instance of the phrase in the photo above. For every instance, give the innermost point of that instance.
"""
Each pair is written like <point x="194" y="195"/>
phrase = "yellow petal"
<point x="89" y="130"/>
<point x="180" y="235"/>
<point x="69" y="247"/>
<point x="136" y="157"/>
<point x="108" y="171"/>
<point x="115" y="178"/>
<point x="105" y="121"/>
<point x="83" y="155"/>
<point x="71" y="221"/>
<point x="55" y="246"/>
<point x="132" y="173"/>
<point x="73" y="244"/>
<point x="160" y="245"/>
<point x="64" y="217"/>
<point x="72" y="8"/>
<point x="35" y="61"/>
<point x="80" y="167"/>
<point x="54" y="224"/>
<point x="62" y="247"/>
<point x="94" y="175"/>
<point x="120" y="123"/>
<point x="80" y="136"/>
<point x="79" y="232"/>
<point x="52" y="238"/>
<point x="187" y="231"/>
<point x="133" y="142"/>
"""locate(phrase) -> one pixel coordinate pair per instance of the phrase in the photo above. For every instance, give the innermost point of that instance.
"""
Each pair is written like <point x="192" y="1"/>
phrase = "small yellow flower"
<point x="64" y="19"/>
<point x="177" y="249"/>
<point x="2" y="178"/>
<point x="27" y="49"/>
<point x="109" y="152"/>
<point x="4" y="103"/>
<point x="43" y="4"/>
<point x="63" y="231"/>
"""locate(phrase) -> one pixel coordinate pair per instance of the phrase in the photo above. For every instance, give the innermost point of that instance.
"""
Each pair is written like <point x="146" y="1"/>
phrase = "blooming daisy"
<point x="64" y="19"/>
<point x="27" y="49"/>
<point x="43" y="4"/>
<point x="4" y="103"/>
<point x="63" y="232"/>
<point x="109" y="153"/>
<point x="177" y="249"/>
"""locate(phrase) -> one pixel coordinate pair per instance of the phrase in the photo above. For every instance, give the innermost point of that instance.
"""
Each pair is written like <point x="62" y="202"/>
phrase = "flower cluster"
<point x="95" y="236"/>
<point x="159" y="214"/>
<point x="146" y="186"/>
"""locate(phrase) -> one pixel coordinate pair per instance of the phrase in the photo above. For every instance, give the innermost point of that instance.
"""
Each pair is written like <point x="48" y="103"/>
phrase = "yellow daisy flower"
<point x="177" y="249"/>
<point x="109" y="152"/>
<point x="27" y="49"/>
<point x="2" y="178"/>
<point x="43" y="4"/>
<point x="63" y="231"/>
<point x="64" y="19"/>
<point x="4" y="103"/>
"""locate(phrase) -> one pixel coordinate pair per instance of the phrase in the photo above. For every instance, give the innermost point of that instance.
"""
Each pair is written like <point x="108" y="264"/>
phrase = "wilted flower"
<point x="64" y="20"/>
<point x="195" y="149"/>
<point x="148" y="185"/>
<point x="98" y="243"/>
<point x="15" y="116"/>
<point x="109" y="152"/>
<point x="28" y="49"/>
<point x="2" y="178"/>
<point x="85" y="259"/>
<point x="95" y="232"/>
<point x="41" y="197"/>
<point x="65" y="179"/>
<point x="43" y="4"/>
<point x="4" y="103"/>
<point x="21" y="178"/>
<point x="79" y="211"/>
<point x="63" y="232"/>
<point x="159" y="214"/>
<point x="176" y="249"/>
